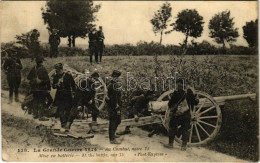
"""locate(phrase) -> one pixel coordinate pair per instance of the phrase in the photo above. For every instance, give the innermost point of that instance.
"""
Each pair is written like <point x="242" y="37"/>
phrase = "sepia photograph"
<point x="129" y="81"/>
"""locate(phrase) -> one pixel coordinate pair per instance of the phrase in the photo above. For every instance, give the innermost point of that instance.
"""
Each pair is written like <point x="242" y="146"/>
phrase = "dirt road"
<point x="21" y="142"/>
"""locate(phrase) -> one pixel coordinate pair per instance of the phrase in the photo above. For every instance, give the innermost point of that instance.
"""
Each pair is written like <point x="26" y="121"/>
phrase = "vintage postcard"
<point x="116" y="81"/>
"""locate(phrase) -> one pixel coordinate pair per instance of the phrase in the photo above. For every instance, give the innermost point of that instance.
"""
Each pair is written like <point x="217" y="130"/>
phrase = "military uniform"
<point x="13" y="68"/>
<point x="34" y="44"/>
<point x="93" y="46"/>
<point x="65" y="84"/>
<point x="40" y="87"/>
<point x="83" y="97"/>
<point x="179" y="118"/>
<point x="100" y="43"/>
<point x="114" y="106"/>
<point x="54" y="41"/>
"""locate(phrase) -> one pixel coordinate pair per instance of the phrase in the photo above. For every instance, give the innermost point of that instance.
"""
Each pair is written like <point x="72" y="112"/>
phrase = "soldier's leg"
<point x="56" y="51"/>
<point x="112" y="128"/>
<point x="96" y="56"/>
<point x="17" y="85"/>
<point x="49" y="99"/>
<point x="101" y="53"/>
<point x="11" y="87"/>
<point x="172" y="129"/>
<point x="61" y="110"/>
<point x="41" y="104"/>
<point x="127" y="128"/>
<point x="51" y="51"/>
<point x="73" y="115"/>
<point x="185" y="122"/>
<point x="90" y="55"/>
<point x="35" y="105"/>
<point x="94" y="111"/>
<point x="11" y="90"/>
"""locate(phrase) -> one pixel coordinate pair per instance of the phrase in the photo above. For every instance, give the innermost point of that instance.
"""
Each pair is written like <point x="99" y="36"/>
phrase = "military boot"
<point x="10" y="100"/>
<point x="17" y="98"/>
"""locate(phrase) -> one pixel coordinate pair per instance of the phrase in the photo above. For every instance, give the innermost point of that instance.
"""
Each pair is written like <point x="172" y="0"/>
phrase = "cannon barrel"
<point x="160" y="106"/>
<point x="222" y="99"/>
<point x="235" y="97"/>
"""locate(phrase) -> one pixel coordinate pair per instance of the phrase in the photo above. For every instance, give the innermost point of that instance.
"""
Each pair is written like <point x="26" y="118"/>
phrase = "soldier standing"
<point x="40" y="87"/>
<point x="85" y="96"/>
<point x="100" y="42"/>
<point x="34" y="43"/>
<point x="65" y="85"/>
<point x="114" y="106"/>
<point x="12" y="67"/>
<point x="180" y="113"/>
<point x="93" y="45"/>
<point x="54" y="41"/>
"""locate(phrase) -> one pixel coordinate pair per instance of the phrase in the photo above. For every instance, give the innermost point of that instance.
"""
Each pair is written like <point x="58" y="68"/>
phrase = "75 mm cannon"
<point x="206" y="117"/>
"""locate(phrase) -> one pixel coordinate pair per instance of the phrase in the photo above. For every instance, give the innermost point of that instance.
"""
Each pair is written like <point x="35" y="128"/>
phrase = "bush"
<point x="238" y="135"/>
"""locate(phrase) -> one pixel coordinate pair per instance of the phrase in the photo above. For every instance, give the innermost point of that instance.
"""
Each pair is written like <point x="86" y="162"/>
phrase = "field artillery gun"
<point x="206" y="118"/>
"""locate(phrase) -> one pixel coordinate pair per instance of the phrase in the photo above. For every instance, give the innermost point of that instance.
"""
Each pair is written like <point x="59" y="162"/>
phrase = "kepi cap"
<point x="116" y="73"/>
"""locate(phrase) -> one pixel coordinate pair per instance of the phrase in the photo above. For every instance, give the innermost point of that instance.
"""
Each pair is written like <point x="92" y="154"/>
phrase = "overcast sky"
<point x="125" y="22"/>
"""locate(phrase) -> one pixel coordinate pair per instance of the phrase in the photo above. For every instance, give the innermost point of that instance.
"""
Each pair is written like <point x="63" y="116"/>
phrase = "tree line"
<point x="190" y="23"/>
<point x="73" y="19"/>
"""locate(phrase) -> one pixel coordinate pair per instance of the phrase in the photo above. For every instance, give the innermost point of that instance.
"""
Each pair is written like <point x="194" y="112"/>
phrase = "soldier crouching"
<point x="85" y="97"/>
<point x="114" y="106"/>
<point x="65" y="84"/>
<point x="138" y="106"/>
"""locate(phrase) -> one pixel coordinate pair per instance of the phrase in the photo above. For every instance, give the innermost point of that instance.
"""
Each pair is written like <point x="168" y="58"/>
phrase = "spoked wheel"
<point x="101" y="92"/>
<point x="206" y="119"/>
<point x="100" y="86"/>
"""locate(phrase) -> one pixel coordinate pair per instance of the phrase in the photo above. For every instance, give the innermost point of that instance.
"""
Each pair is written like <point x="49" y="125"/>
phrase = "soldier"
<point x="85" y="96"/>
<point x="34" y="43"/>
<point x="100" y="42"/>
<point x="65" y="85"/>
<point x="93" y="45"/>
<point x="114" y="106"/>
<point x="12" y="67"/>
<point x="54" y="41"/>
<point x="40" y="87"/>
<point x="138" y="106"/>
<point x="180" y="113"/>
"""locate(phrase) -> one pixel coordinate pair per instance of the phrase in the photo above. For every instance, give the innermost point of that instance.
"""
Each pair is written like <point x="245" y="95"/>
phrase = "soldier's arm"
<point x="19" y="66"/>
<point x="45" y="78"/>
<point x="172" y="101"/>
<point x="50" y="40"/>
<point x="119" y="99"/>
<point x="6" y="65"/>
<point x="55" y="81"/>
<point x="77" y="100"/>
<point x="93" y="92"/>
<point x="191" y="98"/>
<point x="31" y="74"/>
<point x="72" y="83"/>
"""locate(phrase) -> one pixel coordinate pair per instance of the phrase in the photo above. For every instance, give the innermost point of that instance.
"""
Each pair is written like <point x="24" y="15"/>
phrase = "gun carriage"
<point x="206" y="117"/>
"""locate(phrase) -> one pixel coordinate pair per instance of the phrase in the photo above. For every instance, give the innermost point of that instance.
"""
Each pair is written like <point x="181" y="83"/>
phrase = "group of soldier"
<point x="70" y="99"/>
<point x="96" y="43"/>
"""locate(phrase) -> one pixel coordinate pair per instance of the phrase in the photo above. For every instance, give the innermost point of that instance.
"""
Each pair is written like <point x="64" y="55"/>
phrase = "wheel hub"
<point x="194" y="117"/>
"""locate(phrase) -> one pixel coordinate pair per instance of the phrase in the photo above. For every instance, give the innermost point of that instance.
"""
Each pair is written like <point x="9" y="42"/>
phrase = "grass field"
<point x="216" y="75"/>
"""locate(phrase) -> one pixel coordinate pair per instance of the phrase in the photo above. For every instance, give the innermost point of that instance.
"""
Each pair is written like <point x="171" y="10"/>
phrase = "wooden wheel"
<point x="100" y="87"/>
<point x="101" y="92"/>
<point x="206" y="119"/>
